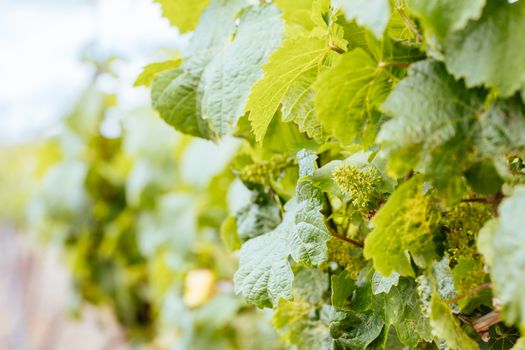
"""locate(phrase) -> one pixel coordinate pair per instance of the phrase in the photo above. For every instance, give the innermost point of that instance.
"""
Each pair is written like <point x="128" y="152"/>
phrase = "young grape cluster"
<point x="345" y="256"/>
<point x="462" y="224"/>
<point x="361" y="184"/>
<point x="261" y="173"/>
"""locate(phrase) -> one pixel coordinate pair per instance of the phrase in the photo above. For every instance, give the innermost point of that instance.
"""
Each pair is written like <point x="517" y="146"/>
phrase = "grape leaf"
<point x="356" y="330"/>
<point x="399" y="308"/>
<point x="403" y="228"/>
<point x="285" y="66"/>
<point x="293" y="319"/>
<point x="433" y="123"/>
<point x="490" y="51"/>
<point x="373" y="14"/>
<point x="183" y="13"/>
<point x="227" y="79"/>
<point x="264" y="275"/>
<point x="310" y="284"/>
<point x="301" y="235"/>
<point x="297" y="14"/>
<point x="149" y="72"/>
<point x="174" y="93"/>
<point x="444" y="279"/>
<point x="348" y="93"/>
<point x="382" y="284"/>
<point x="403" y="312"/>
<point x="501" y="243"/>
<point x="445" y="326"/>
<point x="503" y="128"/>
<point x="342" y="288"/>
<point x="309" y="235"/>
<point x="298" y="105"/>
<point x="446" y="16"/>
<point x="259" y="216"/>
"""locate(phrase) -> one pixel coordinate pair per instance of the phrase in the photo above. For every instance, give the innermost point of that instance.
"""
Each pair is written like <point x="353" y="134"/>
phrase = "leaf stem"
<point x="471" y="292"/>
<point x="409" y="24"/>
<point x="382" y="64"/>
<point x="336" y="49"/>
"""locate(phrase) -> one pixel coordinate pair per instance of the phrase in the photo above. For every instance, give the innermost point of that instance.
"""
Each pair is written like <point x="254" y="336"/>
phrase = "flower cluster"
<point x="361" y="184"/>
<point x="263" y="172"/>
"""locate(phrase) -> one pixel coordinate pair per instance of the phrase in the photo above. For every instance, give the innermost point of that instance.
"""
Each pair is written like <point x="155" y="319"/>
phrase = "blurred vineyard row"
<point x="135" y="214"/>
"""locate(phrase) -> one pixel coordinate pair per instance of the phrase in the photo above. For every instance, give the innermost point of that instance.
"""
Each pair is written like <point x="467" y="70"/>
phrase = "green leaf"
<point x="149" y="72"/>
<point x="483" y="178"/>
<point x="445" y="326"/>
<point x="183" y="13"/>
<point x="446" y="16"/>
<point x="490" y="51"/>
<point x="264" y="275"/>
<point x="372" y="14"/>
<point x="403" y="229"/>
<point x="302" y="235"/>
<point x="259" y="216"/>
<point x="445" y="280"/>
<point x="292" y="319"/>
<point x="174" y="93"/>
<point x="310" y="284"/>
<point x="400" y="309"/>
<point x="356" y="330"/>
<point x="502" y="129"/>
<point x="501" y="241"/>
<point x="342" y="288"/>
<point x="227" y="80"/>
<point x="298" y="105"/>
<point x="433" y="123"/>
<point x="296" y="14"/>
<point x="348" y="93"/>
<point x="382" y="284"/>
<point x="309" y="235"/>
<point x="285" y="66"/>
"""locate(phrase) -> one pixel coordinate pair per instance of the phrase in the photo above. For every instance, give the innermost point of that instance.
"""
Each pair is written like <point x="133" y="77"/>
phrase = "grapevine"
<point x="378" y="160"/>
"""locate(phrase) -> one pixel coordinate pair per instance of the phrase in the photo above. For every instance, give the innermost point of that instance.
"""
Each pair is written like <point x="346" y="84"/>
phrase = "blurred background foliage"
<point x="135" y="209"/>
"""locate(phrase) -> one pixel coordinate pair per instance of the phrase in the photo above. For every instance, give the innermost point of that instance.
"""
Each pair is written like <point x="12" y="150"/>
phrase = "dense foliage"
<point x="364" y="162"/>
<point x="383" y="144"/>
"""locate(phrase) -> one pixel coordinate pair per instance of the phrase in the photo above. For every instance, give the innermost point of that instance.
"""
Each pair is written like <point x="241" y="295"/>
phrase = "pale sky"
<point x="42" y="42"/>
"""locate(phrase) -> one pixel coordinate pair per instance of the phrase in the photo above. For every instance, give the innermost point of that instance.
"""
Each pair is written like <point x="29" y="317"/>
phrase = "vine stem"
<point x="409" y="24"/>
<point x="348" y="240"/>
<point x="471" y="292"/>
<point x="476" y="200"/>
<point x="482" y="324"/>
<point x="493" y="200"/>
